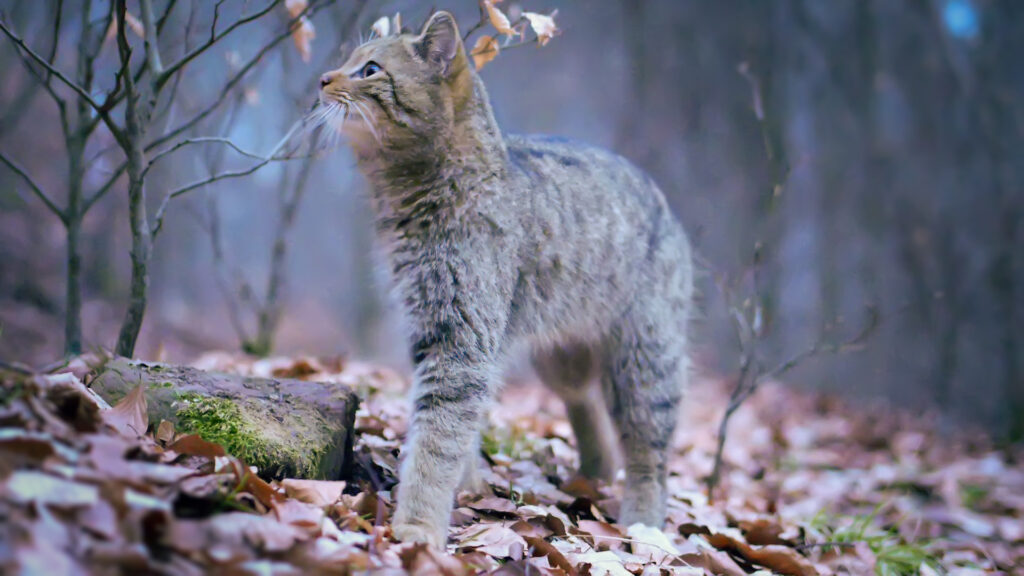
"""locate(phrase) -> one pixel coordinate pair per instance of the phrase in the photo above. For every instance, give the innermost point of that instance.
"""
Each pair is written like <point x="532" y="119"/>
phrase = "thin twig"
<point x="480" y="23"/>
<point x="202" y="140"/>
<point x="163" y="76"/>
<point x="33" y="186"/>
<point x="236" y="78"/>
<point x="50" y="68"/>
<point x="158" y="219"/>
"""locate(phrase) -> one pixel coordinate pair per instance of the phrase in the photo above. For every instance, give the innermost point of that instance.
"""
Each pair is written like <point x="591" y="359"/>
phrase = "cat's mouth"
<point x="344" y="113"/>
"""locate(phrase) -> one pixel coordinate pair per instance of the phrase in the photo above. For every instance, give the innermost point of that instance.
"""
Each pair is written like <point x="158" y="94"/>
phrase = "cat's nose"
<point x="325" y="79"/>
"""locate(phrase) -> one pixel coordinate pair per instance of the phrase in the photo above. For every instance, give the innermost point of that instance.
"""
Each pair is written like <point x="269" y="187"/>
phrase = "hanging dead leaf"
<point x="543" y="26"/>
<point x="303" y="34"/>
<point x="133" y="23"/>
<point x="485" y="50"/>
<point x="295" y="7"/>
<point x="498" y="19"/>
<point x="382" y="27"/>
<point x="129" y="416"/>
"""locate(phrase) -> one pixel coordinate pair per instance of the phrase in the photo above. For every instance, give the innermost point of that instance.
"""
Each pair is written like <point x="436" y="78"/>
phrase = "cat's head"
<point x="402" y="92"/>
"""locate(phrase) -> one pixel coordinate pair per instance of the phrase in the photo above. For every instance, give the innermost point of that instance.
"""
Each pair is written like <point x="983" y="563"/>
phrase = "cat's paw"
<point x="418" y="533"/>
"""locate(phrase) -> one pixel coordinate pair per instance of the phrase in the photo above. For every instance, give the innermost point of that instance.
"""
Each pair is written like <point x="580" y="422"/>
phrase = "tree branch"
<point x="50" y="68"/>
<point x="159" y="218"/>
<point x="162" y="77"/>
<point x="162" y="21"/>
<point x="236" y="78"/>
<point x="33" y="186"/>
<point x="151" y="41"/>
<point x="202" y="140"/>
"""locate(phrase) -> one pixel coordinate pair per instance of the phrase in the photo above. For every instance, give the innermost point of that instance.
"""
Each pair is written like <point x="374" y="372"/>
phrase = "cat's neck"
<point x="434" y="181"/>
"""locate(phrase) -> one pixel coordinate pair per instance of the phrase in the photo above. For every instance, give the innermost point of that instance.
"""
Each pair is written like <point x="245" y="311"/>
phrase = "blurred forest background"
<point x="895" y="179"/>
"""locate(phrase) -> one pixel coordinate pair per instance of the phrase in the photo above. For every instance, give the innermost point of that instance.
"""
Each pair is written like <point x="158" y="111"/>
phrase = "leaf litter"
<point x="812" y="485"/>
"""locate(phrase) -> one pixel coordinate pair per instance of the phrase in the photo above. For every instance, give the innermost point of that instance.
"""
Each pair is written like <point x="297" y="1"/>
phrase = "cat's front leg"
<point x="450" y="396"/>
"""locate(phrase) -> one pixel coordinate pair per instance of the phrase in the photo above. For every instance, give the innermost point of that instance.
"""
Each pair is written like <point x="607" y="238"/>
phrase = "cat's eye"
<point x="369" y="69"/>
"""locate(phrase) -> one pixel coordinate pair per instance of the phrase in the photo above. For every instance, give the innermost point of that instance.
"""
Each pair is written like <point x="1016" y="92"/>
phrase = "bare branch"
<point x="479" y="24"/>
<point x="272" y="157"/>
<point x="854" y="343"/>
<point x="50" y="68"/>
<point x="202" y="140"/>
<point x="151" y="42"/>
<point x="236" y="78"/>
<point x="162" y="21"/>
<point x="105" y="187"/>
<point x="164" y="76"/>
<point x="33" y="186"/>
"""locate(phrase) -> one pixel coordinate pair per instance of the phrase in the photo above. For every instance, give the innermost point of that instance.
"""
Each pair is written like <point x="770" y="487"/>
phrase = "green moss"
<point x="249" y="430"/>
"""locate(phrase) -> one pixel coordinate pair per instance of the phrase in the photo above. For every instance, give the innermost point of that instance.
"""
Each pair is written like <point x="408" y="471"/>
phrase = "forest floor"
<point x="813" y="485"/>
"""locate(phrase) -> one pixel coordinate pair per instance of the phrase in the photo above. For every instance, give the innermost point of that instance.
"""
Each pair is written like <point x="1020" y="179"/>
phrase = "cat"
<point x="497" y="242"/>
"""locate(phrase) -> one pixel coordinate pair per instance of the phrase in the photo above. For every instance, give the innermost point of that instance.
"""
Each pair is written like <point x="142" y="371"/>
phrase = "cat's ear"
<point x="439" y="42"/>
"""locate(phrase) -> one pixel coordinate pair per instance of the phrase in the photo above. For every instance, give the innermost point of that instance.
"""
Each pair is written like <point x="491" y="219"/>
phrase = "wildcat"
<point x="500" y="241"/>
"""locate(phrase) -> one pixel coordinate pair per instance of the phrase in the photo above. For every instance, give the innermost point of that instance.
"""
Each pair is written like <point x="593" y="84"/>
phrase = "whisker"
<point x="362" y="113"/>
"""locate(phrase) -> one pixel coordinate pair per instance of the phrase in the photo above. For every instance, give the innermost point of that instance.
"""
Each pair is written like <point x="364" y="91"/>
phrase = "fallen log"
<point x="285" y="428"/>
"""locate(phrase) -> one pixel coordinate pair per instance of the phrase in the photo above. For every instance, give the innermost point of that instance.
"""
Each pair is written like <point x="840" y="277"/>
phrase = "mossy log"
<point x="286" y="428"/>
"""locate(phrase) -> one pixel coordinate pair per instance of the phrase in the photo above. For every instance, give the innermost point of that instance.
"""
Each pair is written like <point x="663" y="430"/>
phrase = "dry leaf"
<point x="781" y="559"/>
<point x="29" y="486"/>
<point x="382" y="27"/>
<point x="651" y="543"/>
<point x="165" y="432"/>
<point x="316" y="492"/>
<point x="543" y="26"/>
<point x="303" y="34"/>
<point x="485" y="50"/>
<point x="133" y="23"/>
<point x="129" y="416"/>
<point x="498" y="19"/>
<point x="193" y="445"/>
<point x="295" y="7"/>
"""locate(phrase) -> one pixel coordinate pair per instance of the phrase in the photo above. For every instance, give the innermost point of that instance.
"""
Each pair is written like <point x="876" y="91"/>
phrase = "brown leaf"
<point x="133" y="23"/>
<point x="317" y="492"/>
<point x="420" y="559"/>
<point x="193" y="445"/>
<point x="498" y="19"/>
<point x="492" y="539"/>
<point x="295" y="7"/>
<point x="542" y="547"/>
<point x="603" y="535"/>
<point x="543" y="26"/>
<point x="298" y="513"/>
<point x="164" y="432"/>
<point x="303" y="34"/>
<point x="129" y="416"/>
<point x="581" y="487"/>
<point x="485" y="50"/>
<point x="493" y="505"/>
<point x="779" y="559"/>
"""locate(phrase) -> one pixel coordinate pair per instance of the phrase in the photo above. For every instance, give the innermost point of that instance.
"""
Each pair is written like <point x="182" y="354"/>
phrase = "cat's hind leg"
<point x="644" y="376"/>
<point x="570" y="371"/>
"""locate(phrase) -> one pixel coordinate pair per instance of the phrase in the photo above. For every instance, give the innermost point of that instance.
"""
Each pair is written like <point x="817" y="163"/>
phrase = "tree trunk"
<point x="135" y="118"/>
<point x="73" y="225"/>
<point x="286" y="428"/>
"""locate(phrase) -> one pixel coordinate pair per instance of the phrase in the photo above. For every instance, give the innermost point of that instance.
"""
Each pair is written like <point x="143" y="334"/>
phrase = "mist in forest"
<point x="841" y="159"/>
